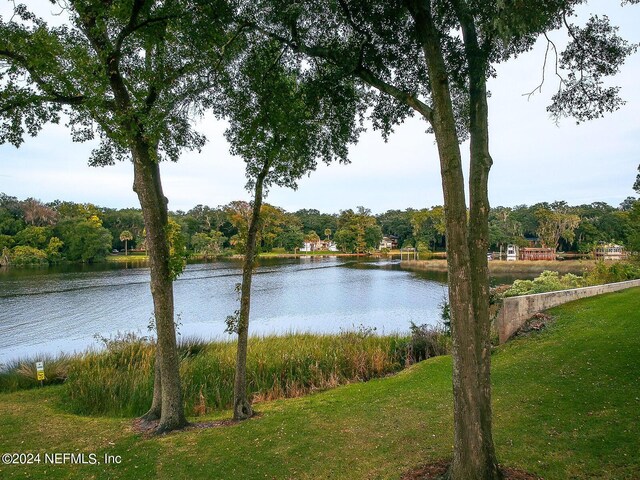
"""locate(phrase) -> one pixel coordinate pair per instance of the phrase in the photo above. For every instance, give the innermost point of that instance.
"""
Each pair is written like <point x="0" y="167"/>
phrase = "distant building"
<point x="609" y="251"/>
<point x="389" y="242"/>
<point x="529" y="253"/>
<point x="319" y="246"/>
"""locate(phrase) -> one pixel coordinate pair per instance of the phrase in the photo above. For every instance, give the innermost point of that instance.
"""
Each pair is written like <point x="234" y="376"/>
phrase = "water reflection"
<point x="61" y="309"/>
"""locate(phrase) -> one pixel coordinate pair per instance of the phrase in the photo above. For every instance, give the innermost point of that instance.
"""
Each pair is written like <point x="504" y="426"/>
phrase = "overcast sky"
<point x="534" y="159"/>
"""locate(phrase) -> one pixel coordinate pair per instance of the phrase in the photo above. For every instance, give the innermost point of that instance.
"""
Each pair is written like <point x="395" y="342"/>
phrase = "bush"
<point x="25" y="255"/>
<point x="547" y="281"/>
<point x="600" y="274"/>
<point x="612" y="272"/>
<point x="427" y="341"/>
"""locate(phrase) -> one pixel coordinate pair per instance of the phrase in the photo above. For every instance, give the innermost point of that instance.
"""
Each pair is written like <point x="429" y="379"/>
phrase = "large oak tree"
<point x="433" y="58"/>
<point x="131" y="73"/>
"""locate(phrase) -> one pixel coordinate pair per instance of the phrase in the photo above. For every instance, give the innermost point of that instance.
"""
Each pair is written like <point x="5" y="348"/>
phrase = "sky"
<point x="535" y="160"/>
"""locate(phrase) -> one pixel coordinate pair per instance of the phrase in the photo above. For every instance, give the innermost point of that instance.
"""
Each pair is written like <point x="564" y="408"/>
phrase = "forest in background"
<point x="33" y="232"/>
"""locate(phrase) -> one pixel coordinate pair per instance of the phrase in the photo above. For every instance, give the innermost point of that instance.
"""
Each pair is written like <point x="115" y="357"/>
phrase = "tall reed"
<point x="119" y="381"/>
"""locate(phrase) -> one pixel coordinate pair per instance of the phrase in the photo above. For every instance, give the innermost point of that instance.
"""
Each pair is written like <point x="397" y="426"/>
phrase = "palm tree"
<point x="125" y="236"/>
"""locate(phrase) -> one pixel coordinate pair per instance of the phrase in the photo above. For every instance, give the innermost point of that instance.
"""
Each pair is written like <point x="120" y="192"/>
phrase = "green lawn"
<point x="131" y="258"/>
<point x="566" y="405"/>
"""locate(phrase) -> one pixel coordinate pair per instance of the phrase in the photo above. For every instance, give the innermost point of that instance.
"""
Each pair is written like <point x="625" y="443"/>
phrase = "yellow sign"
<point x="40" y="370"/>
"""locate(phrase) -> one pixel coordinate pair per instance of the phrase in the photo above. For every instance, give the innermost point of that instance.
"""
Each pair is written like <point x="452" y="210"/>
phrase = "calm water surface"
<point x="53" y="310"/>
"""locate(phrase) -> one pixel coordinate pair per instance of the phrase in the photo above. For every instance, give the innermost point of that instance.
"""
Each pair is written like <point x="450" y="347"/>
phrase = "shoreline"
<point x="504" y="266"/>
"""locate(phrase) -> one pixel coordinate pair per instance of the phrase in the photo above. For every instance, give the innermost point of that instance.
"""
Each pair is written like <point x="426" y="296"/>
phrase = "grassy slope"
<point x="567" y="405"/>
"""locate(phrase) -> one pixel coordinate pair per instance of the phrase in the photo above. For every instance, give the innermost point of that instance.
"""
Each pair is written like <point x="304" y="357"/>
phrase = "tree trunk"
<point x="473" y="456"/>
<point x="148" y="187"/>
<point x="241" y="404"/>
<point x="478" y="246"/>
<point x="156" y="404"/>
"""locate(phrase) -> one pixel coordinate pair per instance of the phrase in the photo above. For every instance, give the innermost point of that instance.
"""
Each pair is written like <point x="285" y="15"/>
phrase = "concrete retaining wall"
<point x="516" y="311"/>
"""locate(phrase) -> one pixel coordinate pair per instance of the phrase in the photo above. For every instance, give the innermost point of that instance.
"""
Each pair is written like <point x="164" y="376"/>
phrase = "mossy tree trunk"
<point x="167" y="387"/>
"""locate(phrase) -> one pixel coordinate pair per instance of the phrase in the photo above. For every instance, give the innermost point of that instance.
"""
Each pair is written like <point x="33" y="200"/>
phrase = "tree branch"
<point x="360" y="71"/>
<point x="408" y="99"/>
<point x="556" y="68"/>
<point x="52" y="96"/>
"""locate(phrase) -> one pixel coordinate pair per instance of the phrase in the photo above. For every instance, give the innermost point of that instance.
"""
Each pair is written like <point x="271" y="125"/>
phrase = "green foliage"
<point x="358" y="232"/>
<point x="6" y="241"/>
<point x="547" y="281"/>
<point x="397" y="223"/>
<point x="24" y="255"/>
<point x="555" y="224"/>
<point x="611" y="272"/>
<point x="312" y="237"/>
<point x="208" y="231"/>
<point x="312" y="219"/>
<point x="209" y="245"/>
<point x="84" y="239"/>
<point x="445" y="315"/>
<point x="53" y="250"/>
<point x="504" y="228"/>
<point x="177" y="249"/>
<point x="291" y="238"/>
<point x="601" y="273"/>
<point x="633" y="241"/>
<point x="36" y="237"/>
<point x="47" y="70"/>
<point x="281" y="121"/>
<point x="428" y="228"/>
<point x="428" y="341"/>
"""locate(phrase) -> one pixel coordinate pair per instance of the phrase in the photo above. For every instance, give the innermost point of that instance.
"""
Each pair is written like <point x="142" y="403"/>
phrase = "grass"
<point x="131" y="258"/>
<point x="566" y="405"/>
<point x="516" y="267"/>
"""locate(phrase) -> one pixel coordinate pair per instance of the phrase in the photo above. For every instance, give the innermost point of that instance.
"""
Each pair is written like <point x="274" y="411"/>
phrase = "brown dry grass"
<point x="517" y="267"/>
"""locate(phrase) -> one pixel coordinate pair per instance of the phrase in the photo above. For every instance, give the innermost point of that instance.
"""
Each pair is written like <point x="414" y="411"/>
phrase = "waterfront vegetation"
<point x="34" y="233"/>
<point x="565" y="406"/>
<point x="119" y="379"/>
<point x="600" y="273"/>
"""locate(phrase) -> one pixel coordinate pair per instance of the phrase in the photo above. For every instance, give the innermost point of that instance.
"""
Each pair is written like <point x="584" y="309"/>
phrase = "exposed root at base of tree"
<point x="438" y="471"/>
<point x="149" y="428"/>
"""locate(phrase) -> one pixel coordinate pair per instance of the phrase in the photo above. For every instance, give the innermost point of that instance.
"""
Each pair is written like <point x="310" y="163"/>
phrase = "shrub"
<point x="25" y="255"/>
<point x="612" y="272"/>
<point x="428" y="341"/>
<point x="547" y="281"/>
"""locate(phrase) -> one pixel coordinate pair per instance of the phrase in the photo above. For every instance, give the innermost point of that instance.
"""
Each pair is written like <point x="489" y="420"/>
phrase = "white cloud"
<point x="534" y="160"/>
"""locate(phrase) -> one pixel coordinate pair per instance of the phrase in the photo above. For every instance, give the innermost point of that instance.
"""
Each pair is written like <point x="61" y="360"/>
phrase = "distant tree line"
<point x="33" y="232"/>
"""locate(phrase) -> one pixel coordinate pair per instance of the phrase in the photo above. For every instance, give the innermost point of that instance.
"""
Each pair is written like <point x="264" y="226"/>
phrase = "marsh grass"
<point x="21" y="374"/>
<point x="118" y="380"/>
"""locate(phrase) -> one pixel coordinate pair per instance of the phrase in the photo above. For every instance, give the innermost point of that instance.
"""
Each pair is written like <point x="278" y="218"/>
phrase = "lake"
<point x="63" y="309"/>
